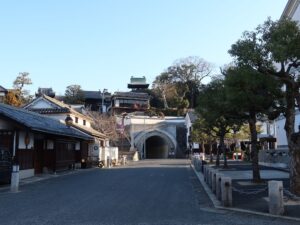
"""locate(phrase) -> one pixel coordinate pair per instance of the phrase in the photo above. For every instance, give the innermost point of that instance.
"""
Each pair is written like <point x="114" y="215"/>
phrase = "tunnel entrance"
<point x="156" y="148"/>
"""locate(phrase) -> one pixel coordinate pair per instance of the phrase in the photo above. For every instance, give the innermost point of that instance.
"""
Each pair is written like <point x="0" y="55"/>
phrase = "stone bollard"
<point x="276" y="206"/>
<point x="207" y="174"/>
<point x="213" y="183"/>
<point x="218" y="185"/>
<point x="108" y="162"/>
<point x="226" y="191"/>
<point x="204" y="172"/>
<point x="210" y="177"/>
<point x="15" y="179"/>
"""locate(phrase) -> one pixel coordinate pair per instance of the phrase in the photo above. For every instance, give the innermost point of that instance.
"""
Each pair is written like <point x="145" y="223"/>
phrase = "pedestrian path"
<point x="253" y="197"/>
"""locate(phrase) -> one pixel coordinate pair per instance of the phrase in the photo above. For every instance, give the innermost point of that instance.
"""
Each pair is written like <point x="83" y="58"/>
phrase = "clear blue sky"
<point x="102" y="43"/>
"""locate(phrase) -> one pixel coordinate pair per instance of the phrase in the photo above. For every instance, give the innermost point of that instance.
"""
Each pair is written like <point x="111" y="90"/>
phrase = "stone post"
<point x="15" y="179"/>
<point x="210" y="177"/>
<point x="218" y="185"/>
<point x="226" y="191"/>
<point x="213" y="184"/>
<point x="276" y="206"/>
<point x="204" y="172"/>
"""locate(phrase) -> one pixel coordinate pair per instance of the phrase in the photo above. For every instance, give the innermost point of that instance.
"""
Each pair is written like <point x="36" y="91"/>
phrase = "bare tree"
<point x="105" y="124"/>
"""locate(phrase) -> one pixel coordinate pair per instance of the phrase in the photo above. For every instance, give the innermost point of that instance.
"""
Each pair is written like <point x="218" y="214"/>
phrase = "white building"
<point x="292" y="11"/>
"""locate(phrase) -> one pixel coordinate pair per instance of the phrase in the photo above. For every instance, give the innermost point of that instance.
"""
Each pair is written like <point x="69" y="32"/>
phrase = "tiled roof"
<point x="137" y="95"/>
<point x="2" y="89"/>
<point x="92" y="95"/>
<point x="40" y="123"/>
<point x="89" y="131"/>
<point x="61" y="107"/>
<point x="96" y="95"/>
<point x="49" y="110"/>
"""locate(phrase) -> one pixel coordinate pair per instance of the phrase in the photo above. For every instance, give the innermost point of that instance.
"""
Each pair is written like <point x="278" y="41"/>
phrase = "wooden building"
<point x="58" y="110"/>
<point x="38" y="143"/>
<point x="129" y="102"/>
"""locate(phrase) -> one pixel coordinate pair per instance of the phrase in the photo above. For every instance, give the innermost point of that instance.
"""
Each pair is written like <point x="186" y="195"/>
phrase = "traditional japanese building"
<point x="97" y="100"/>
<point x="58" y="110"/>
<point x="39" y="143"/>
<point x="136" y="100"/>
<point x="138" y="83"/>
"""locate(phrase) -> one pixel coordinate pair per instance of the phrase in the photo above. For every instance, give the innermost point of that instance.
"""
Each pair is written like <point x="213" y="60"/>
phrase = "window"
<point x="76" y="119"/>
<point x="84" y="122"/>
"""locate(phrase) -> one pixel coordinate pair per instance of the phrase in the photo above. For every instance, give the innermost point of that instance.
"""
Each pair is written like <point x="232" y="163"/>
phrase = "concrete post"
<point x="276" y="206"/>
<point x="108" y="162"/>
<point x="204" y="172"/>
<point x="135" y="157"/>
<point x="226" y="192"/>
<point x="210" y="177"/>
<point x="213" y="184"/>
<point x="15" y="179"/>
<point x="218" y="185"/>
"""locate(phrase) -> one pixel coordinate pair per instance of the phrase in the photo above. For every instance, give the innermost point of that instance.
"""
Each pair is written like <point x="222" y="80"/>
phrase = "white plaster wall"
<point x="280" y="132"/>
<point x="296" y="15"/>
<point x="26" y="173"/>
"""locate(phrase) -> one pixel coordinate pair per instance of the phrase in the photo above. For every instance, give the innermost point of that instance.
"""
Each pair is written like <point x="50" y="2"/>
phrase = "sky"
<point x="102" y="43"/>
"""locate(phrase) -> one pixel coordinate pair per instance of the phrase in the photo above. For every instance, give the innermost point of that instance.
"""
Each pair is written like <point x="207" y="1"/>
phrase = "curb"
<point x="35" y="179"/>
<point x="217" y="203"/>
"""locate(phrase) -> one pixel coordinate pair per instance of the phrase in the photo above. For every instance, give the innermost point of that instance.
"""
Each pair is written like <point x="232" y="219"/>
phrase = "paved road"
<point x="147" y="192"/>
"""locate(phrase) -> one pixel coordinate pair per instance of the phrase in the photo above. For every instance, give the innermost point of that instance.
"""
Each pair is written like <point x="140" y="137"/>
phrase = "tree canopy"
<point x="273" y="49"/>
<point x="180" y="84"/>
<point x="74" y="94"/>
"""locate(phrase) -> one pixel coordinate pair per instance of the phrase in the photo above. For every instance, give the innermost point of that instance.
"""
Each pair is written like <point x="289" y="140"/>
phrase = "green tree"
<point x="203" y="133"/>
<point x="252" y="95"/>
<point x="74" y="94"/>
<point x="181" y="82"/>
<point x="274" y="49"/>
<point x="215" y="109"/>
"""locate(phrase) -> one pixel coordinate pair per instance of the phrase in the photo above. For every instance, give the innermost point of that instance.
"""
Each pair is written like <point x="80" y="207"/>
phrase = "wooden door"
<point x="38" y="156"/>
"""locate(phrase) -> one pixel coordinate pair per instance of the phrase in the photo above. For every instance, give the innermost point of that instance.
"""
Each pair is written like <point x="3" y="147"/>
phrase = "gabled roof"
<point x="92" y="95"/>
<point x="58" y="107"/>
<point x="40" y="123"/>
<point x="89" y="131"/>
<point x="2" y="89"/>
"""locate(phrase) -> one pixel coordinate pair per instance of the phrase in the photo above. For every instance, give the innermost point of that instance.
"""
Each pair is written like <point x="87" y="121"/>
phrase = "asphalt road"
<point x="146" y="192"/>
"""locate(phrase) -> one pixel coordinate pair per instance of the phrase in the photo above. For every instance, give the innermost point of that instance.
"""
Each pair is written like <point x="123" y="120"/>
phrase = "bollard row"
<point x="221" y="186"/>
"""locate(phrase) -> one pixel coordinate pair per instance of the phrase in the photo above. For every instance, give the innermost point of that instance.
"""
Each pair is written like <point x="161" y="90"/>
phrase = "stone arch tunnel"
<point x="156" y="145"/>
<point x="156" y="148"/>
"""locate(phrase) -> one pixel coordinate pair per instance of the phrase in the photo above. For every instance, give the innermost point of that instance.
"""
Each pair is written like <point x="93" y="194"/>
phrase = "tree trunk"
<point x="210" y="153"/>
<point x="218" y="157"/>
<point x="222" y="146"/>
<point x="293" y="140"/>
<point x="254" y="150"/>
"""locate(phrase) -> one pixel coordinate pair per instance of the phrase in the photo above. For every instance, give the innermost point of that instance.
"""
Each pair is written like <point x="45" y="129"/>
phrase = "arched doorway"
<point x="157" y="148"/>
